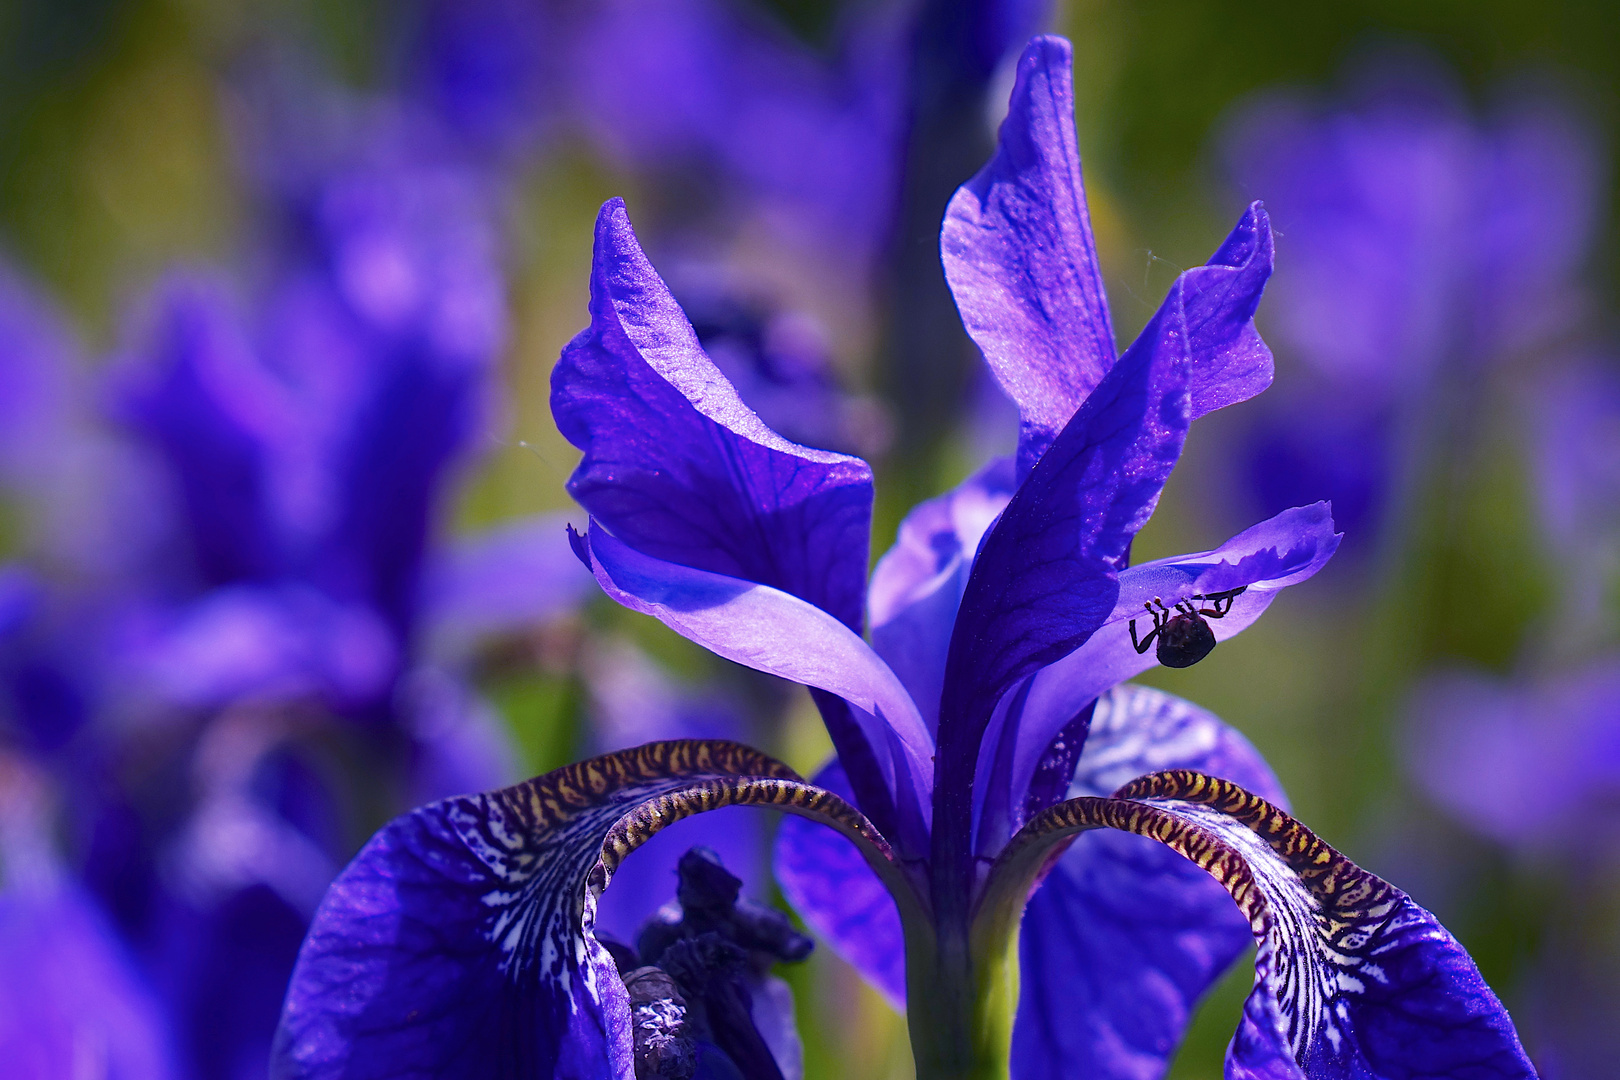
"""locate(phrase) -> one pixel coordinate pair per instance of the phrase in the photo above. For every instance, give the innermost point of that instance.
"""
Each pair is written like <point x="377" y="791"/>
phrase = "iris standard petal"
<point x="833" y="889"/>
<point x="679" y="468"/>
<point x="1229" y="362"/>
<point x="771" y="631"/>
<point x="917" y="585"/>
<point x="1352" y="979"/>
<point x="1020" y="259"/>
<point x="1263" y="559"/>
<point x="459" y="941"/>
<point x="1124" y="936"/>
<point x="1046" y="575"/>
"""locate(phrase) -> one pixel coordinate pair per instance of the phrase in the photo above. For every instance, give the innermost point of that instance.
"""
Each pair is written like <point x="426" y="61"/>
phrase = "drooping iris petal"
<point x="459" y="941"/>
<point x="917" y="586"/>
<point x="1020" y="259"/>
<point x="1046" y="575"/>
<point x="1124" y="936"/>
<point x="679" y="468"/>
<point x="833" y="889"/>
<point x="772" y="631"/>
<point x="1263" y="559"/>
<point x="1353" y="979"/>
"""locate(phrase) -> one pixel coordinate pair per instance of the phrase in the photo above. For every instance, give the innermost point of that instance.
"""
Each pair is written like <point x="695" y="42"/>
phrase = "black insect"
<point x="1184" y="637"/>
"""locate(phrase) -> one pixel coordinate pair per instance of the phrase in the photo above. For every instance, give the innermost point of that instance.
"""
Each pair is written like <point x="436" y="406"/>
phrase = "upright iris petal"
<point x="678" y="467"/>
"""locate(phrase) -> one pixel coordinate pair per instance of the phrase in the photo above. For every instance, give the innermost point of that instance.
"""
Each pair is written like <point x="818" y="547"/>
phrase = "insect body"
<point x="1184" y="637"/>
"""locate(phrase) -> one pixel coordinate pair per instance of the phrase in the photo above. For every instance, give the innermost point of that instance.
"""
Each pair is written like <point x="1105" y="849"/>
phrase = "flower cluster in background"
<point x="283" y="515"/>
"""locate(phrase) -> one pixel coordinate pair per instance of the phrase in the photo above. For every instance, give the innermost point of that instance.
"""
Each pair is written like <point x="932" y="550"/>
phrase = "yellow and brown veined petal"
<point x="459" y="941"/>
<point x="1352" y="978"/>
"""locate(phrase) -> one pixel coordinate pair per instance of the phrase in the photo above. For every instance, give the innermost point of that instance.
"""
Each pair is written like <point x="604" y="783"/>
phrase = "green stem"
<point x="960" y="1002"/>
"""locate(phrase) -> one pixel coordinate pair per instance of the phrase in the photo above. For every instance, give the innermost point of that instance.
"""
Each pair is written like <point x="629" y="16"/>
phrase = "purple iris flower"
<point x="1424" y="245"/>
<point x="72" y="1001"/>
<point x="1530" y="764"/>
<point x="805" y="147"/>
<point x="1534" y="760"/>
<point x="460" y="941"/>
<point x="290" y="602"/>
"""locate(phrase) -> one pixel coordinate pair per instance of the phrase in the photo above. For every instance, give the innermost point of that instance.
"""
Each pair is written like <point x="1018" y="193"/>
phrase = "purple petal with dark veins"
<point x="917" y="586"/>
<point x="1020" y="259"/>
<point x="1046" y="575"/>
<point x="678" y="468"/>
<point x="1264" y="558"/>
<point x="772" y="631"/>
<point x="1353" y="981"/>
<point x="459" y="941"/>
<point x="839" y="897"/>
<point x="1019" y="255"/>
<point x="1124" y="936"/>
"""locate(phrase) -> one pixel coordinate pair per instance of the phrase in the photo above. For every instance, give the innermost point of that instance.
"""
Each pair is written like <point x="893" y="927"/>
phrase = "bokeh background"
<point x="281" y="499"/>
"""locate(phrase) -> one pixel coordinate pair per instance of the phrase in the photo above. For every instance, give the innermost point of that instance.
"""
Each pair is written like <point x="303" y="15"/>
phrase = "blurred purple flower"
<point x="1529" y="763"/>
<point x="38" y="379"/>
<point x="1419" y="241"/>
<point x="1534" y="761"/>
<point x="808" y="146"/>
<point x="1576" y="428"/>
<point x="281" y="517"/>
<point x="306" y="450"/>
<point x="72" y="1002"/>
<point x="486" y="67"/>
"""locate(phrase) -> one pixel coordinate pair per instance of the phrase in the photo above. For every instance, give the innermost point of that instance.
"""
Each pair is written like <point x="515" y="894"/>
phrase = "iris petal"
<point x="1352" y="979"/>
<point x="1022" y="264"/>
<point x="1124" y="936"/>
<point x="833" y="889"/>
<point x="1021" y="261"/>
<point x="1264" y="558"/>
<point x="1229" y="361"/>
<point x="459" y="941"/>
<point x="1046" y="576"/>
<point x="917" y="585"/>
<point x="772" y="631"/>
<point x="679" y="468"/>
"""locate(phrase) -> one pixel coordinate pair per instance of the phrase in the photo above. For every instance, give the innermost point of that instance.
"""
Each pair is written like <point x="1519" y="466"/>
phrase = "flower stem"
<point x="960" y="1003"/>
